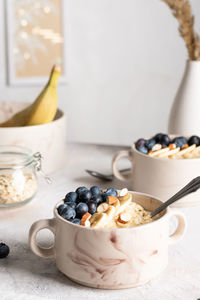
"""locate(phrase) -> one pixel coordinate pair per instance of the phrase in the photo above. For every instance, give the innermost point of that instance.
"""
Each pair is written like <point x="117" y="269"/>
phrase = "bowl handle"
<point x="35" y="228"/>
<point x="116" y="172"/>
<point x="181" y="228"/>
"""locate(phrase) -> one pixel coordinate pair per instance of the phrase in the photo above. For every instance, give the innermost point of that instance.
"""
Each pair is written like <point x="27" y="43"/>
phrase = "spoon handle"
<point x="108" y="177"/>
<point x="191" y="187"/>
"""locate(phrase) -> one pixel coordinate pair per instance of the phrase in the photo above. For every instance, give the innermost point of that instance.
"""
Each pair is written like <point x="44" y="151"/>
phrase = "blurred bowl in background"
<point x="49" y="139"/>
<point x="160" y="177"/>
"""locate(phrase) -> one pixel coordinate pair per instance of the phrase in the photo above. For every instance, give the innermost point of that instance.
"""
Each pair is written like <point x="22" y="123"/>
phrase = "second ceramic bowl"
<point x="160" y="177"/>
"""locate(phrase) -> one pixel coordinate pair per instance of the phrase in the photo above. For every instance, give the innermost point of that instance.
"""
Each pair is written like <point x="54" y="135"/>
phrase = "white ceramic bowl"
<point x="49" y="139"/>
<point x="160" y="177"/>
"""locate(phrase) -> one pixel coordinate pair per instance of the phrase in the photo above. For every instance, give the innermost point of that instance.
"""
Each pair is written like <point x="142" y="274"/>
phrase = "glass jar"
<point x="18" y="180"/>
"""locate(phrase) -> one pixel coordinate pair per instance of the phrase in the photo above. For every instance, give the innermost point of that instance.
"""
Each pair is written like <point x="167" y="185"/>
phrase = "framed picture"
<point x="36" y="40"/>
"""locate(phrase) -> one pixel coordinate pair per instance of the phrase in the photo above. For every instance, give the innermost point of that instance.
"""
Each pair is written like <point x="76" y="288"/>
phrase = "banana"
<point x="124" y="202"/>
<point x="110" y="212"/>
<point x="98" y="220"/>
<point x="42" y="110"/>
<point x="102" y="207"/>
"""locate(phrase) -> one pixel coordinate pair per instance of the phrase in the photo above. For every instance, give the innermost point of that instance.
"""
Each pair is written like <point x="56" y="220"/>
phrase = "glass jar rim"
<point x="15" y="157"/>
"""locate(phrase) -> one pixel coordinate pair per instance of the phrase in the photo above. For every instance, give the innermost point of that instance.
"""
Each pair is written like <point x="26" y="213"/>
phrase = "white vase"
<point x="184" y="117"/>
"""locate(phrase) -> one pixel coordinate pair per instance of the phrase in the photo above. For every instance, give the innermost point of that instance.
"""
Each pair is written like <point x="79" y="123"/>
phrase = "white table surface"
<point x="26" y="276"/>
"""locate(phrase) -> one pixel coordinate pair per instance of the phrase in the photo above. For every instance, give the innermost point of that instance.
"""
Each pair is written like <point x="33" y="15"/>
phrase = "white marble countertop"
<point x="26" y="276"/>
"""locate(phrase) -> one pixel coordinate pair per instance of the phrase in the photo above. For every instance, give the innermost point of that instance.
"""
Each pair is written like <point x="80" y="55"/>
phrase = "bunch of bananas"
<point x="42" y="110"/>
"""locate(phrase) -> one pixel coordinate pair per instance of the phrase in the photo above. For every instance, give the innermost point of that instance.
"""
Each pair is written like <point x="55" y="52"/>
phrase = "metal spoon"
<point x="104" y="176"/>
<point x="191" y="187"/>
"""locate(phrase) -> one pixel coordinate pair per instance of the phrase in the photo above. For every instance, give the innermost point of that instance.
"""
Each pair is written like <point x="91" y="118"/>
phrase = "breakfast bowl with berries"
<point x="107" y="238"/>
<point x="161" y="165"/>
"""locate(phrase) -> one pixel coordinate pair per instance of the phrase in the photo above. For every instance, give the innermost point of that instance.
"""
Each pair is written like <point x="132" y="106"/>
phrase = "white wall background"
<point x="125" y="61"/>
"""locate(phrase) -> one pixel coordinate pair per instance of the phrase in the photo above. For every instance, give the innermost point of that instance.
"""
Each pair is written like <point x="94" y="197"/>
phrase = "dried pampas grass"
<point x="181" y="10"/>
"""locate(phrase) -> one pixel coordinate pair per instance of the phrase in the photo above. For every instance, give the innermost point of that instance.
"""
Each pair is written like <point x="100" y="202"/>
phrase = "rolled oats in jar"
<point x="18" y="180"/>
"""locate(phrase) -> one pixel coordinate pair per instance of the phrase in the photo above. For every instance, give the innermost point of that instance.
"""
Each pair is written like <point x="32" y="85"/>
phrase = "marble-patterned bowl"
<point x="110" y="258"/>
<point x="49" y="139"/>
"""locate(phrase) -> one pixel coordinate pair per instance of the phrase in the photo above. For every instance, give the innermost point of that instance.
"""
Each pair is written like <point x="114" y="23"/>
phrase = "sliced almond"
<point x="124" y="218"/>
<point x="102" y="207"/>
<point x="123" y="192"/>
<point x="116" y="205"/>
<point x="98" y="220"/>
<point x="85" y="219"/>
<point x="172" y="146"/>
<point x="185" y="146"/>
<point x="122" y="225"/>
<point x="111" y="200"/>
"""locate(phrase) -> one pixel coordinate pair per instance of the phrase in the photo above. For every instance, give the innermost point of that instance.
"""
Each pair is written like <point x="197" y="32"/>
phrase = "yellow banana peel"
<point x="43" y="109"/>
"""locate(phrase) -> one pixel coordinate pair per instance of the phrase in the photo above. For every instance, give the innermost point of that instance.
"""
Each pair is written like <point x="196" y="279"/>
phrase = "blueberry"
<point x="71" y="197"/>
<point x="62" y="209"/>
<point x="81" y="209"/>
<point x="165" y="140"/>
<point x="97" y="199"/>
<point x="92" y="207"/>
<point x="69" y="214"/>
<point x="71" y="204"/>
<point x="81" y="189"/>
<point x="158" y="138"/>
<point x="76" y="221"/>
<point x="85" y="196"/>
<point x="104" y="197"/>
<point x="143" y="150"/>
<point x="150" y="143"/>
<point x="179" y="141"/>
<point x="163" y="145"/>
<point x="140" y="143"/>
<point x="4" y="250"/>
<point x="111" y="192"/>
<point x="95" y="190"/>
<point x="194" y="140"/>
